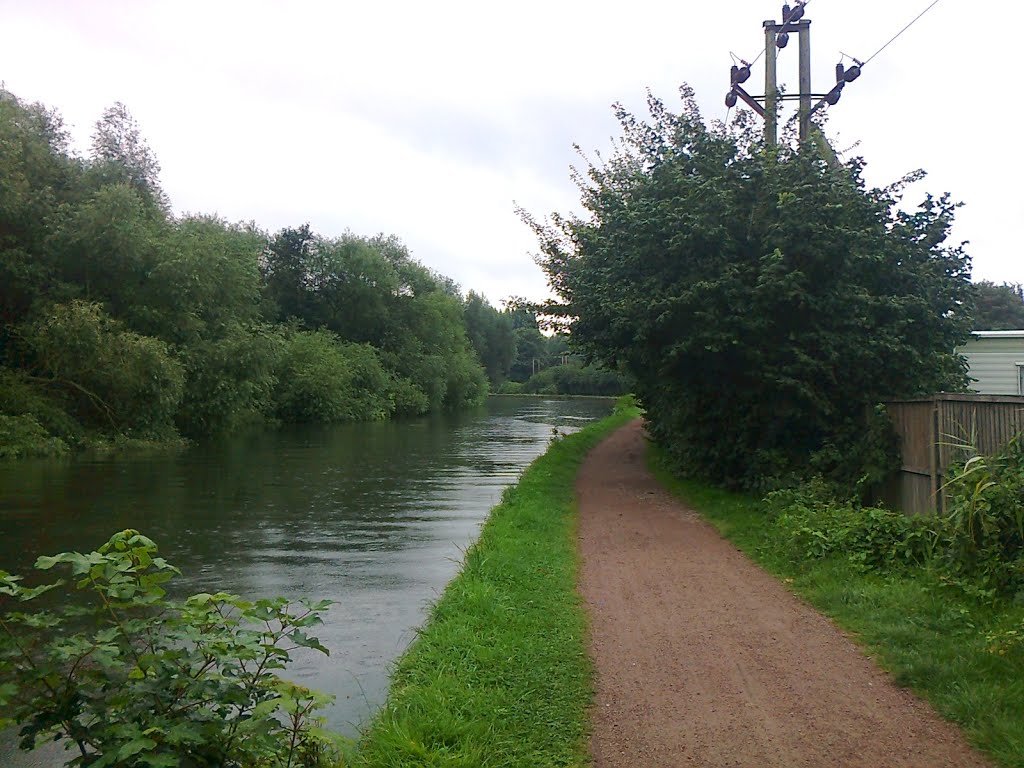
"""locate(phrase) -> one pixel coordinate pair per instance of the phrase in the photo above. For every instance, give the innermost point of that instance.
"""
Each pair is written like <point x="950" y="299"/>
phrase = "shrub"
<point x="575" y="380"/>
<point x="23" y="436"/>
<point x="131" y="678"/>
<point x="112" y="377"/>
<point x="509" y="387"/>
<point x="322" y="379"/>
<point x="815" y="524"/>
<point x="21" y="396"/>
<point x="229" y="381"/>
<point x="981" y="537"/>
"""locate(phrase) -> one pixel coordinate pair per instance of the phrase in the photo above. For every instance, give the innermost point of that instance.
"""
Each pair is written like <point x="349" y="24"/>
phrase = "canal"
<point x="373" y="516"/>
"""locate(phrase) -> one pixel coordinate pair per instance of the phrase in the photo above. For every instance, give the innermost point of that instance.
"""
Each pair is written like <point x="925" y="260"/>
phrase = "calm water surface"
<point x="373" y="516"/>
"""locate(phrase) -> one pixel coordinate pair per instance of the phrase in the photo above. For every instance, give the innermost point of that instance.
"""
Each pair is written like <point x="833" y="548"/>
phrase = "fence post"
<point x="938" y="472"/>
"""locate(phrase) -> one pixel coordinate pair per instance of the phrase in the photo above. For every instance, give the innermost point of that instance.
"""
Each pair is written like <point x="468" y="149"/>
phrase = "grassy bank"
<point x="499" y="676"/>
<point x="955" y="650"/>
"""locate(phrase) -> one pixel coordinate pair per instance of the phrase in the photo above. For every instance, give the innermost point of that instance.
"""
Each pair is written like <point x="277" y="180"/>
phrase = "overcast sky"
<point x="431" y="120"/>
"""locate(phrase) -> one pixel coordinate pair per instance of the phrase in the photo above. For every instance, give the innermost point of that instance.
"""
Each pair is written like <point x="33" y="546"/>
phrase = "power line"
<point x="912" y="23"/>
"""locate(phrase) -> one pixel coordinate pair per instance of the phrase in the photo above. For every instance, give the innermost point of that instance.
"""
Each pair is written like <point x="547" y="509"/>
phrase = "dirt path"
<point x="704" y="660"/>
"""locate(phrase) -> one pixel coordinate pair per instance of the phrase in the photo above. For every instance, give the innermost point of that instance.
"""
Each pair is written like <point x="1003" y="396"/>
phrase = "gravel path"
<point x="703" y="659"/>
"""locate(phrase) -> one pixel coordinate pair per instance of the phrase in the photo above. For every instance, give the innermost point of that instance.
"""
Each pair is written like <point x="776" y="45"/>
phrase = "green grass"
<point x="499" y="676"/>
<point x="930" y="637"/>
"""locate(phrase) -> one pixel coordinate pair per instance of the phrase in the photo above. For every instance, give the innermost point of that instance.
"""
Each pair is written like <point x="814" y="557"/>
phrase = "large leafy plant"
<point x="128" y="677"/>
<point x="761" y="298"/>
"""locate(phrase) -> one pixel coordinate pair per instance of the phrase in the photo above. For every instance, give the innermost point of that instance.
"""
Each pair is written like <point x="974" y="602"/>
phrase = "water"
<point x="373" y="516"/>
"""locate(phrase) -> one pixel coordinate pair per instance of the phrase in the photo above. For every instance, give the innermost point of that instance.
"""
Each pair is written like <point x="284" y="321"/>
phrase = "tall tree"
<point x="491" y="334"/>
<point x="761" y="298"/>
<point x="998" y="307"/>
<point x="119" y="148"/>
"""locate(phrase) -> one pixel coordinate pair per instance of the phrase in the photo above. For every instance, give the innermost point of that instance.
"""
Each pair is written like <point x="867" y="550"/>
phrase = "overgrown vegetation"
<point x="762" y="298"/>
<point x="128" y="677"/>
<point x="569" y="379"/>
<point x="499" y="676"/>
<point x="121" y="320"/>
<point x="939" y="601"/>
<point x="998" y="307"/>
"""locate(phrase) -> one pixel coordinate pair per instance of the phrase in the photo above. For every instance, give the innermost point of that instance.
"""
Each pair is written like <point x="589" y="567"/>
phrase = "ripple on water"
<point x="374" y="516"/>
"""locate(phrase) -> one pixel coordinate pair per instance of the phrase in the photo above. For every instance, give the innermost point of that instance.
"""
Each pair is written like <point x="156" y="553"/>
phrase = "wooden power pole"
<point x="776" y="37"/>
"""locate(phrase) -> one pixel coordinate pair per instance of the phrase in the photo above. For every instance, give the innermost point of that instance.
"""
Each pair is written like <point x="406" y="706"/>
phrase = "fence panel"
<point x="935" y="433"/>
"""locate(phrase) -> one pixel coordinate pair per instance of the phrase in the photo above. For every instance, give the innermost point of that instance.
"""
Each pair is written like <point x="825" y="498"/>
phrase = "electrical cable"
<point x="922" y="13"/>
<point x="891" y="40"/>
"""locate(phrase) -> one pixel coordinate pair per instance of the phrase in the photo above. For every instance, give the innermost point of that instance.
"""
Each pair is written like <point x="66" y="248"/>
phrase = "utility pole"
<point x="805" y="81"/>
<point x="776" y="37"/>
<point x="771" y="88"/>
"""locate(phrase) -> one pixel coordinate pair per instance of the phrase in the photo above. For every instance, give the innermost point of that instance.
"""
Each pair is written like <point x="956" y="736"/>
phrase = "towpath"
<point x="703" y="659"/>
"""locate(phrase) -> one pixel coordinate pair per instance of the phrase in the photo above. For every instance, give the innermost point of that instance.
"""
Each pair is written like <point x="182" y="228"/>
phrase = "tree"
<point x="120" y="152"/>
<point x="491" y="334"/>
<point x="760" y="298"/>
<point x="109" y="376"/>
<point x="36" y="174"/>
<point x="998" y="307"/>
<point x="321" y="379"/>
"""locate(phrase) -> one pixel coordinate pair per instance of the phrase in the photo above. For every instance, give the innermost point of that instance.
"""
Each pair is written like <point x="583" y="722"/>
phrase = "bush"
<point x="111" y="377"/>
<point x="21" y="396"/>
<point x="736" y="283"/>
<point x="978" y="545"/>
<point x="575" y="380"/>
<point x="229" y="381"/>
<point x="815" y="525"/>
<point x="981" y="537"/>
<point x="322" y="379"/>
<point x="23" y="437"/>
<point x="131" y="678"/>
<point x="509" y="387"/>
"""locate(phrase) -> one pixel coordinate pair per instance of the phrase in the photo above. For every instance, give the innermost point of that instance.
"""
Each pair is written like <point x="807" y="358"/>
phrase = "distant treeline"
<point x="120" y="320"/>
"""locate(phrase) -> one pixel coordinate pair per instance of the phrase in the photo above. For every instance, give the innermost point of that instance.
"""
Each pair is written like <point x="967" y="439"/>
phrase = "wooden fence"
<point x="933" y="434"/>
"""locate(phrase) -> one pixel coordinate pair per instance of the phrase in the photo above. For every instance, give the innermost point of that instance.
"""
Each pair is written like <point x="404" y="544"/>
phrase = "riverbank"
<point x="499" y="676"/>
<point x="963" y="654"/>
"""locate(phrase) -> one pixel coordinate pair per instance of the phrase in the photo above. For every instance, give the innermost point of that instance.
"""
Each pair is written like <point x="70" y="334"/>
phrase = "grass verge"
<point x="930" y="636"/>
<point x="499" y="676"/>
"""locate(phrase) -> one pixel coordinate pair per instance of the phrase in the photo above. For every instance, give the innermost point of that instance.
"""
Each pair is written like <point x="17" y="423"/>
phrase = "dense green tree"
<point x="998" y="307"/>
<point x="371" y="291"/>
<point x="119" y="152"/>
<point x="109" y="376"/>
<point x="575" y="379"/>
<point x="117" y="317"/>
<point x="36" y="173"/>
<point x="492" y="336"/>
<point x="761" y="298"/>
<point x="322" y="379"/>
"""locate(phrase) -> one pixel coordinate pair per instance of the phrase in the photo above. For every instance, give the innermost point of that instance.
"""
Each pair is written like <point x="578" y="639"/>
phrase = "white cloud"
<point x="428" y="120"/>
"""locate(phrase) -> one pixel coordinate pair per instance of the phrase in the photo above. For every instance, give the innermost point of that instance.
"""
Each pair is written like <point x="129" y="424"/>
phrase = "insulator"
<point x="734" y="75"/>
<point x="730" y="99"/>
<point x="798" y="13"/>
<point x="744" y="74"/>
<point x="832" y="97"/>
<point x="852" y="73"/>
<point x="782" y="40"/>
<point x="786" y="10"/>
<point x="839" y="71"/>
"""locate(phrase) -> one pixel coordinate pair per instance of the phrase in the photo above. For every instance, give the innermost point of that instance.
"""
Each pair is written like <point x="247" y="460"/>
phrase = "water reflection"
<point x="373" y="516"/>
